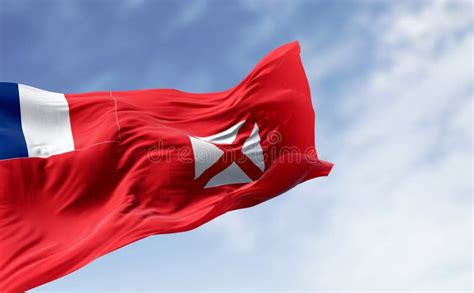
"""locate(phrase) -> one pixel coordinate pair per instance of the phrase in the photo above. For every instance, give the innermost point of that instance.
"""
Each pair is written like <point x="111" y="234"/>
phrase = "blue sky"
<point x="392" y="84"/>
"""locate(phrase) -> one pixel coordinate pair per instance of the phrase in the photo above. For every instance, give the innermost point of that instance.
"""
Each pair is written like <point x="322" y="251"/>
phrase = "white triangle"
<point x="231" y="175"/>
<point x="253" y="149"/>
<point x="225" y="137"/>
<point x="205" y="155"/>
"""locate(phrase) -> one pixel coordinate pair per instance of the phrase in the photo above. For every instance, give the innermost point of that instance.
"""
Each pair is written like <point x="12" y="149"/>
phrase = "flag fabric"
<point x="84" y="174"/>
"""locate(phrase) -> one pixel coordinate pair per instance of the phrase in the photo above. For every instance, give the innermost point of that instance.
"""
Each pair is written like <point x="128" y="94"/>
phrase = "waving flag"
<point x="84" y="174"/>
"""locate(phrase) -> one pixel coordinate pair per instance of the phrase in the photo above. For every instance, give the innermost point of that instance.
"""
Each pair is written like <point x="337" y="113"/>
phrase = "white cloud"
<point x="238" y="238"/>
<point x="403" y="214"/>
<point x="396" y="213"/>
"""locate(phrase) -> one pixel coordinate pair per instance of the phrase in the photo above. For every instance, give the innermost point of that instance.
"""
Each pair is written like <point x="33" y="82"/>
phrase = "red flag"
<point x="84" y="174"/>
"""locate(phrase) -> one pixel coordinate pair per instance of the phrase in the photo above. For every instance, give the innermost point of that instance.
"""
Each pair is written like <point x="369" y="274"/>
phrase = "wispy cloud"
<point x="397" y="209"/>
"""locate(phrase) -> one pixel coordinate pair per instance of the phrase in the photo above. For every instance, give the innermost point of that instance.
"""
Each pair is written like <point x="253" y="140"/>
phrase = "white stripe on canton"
<point x="45" y="122"/>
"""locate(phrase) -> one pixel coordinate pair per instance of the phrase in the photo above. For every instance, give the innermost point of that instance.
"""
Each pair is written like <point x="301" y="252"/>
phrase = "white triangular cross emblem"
<point x="210" y="149"/>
